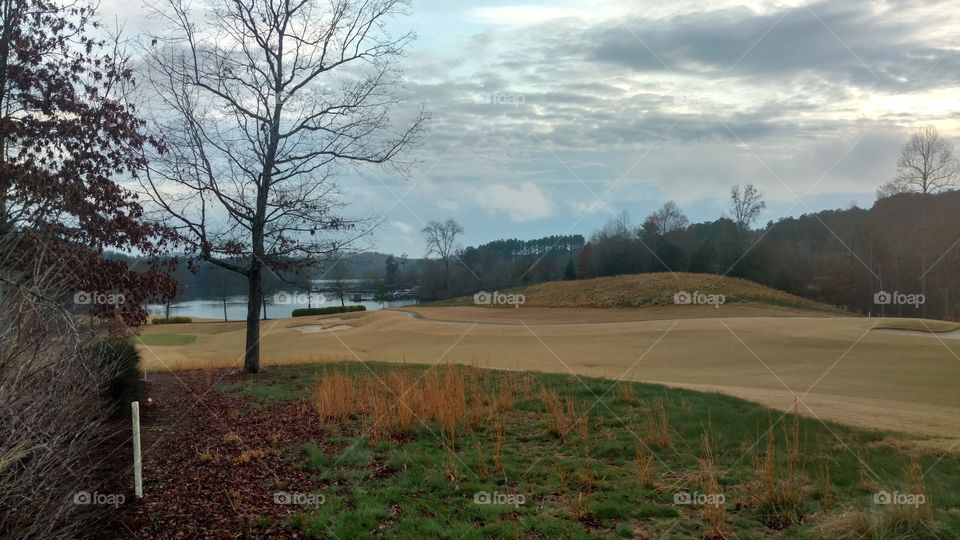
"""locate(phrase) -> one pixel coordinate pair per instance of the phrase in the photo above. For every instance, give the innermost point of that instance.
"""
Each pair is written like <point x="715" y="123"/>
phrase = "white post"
<point x="137" y="462"/>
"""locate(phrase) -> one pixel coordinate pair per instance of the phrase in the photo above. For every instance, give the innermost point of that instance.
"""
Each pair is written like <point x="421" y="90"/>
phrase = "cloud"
<point x="588" y="207"/>
<point x="540" y="106"/>
<point x="448" y="205"/>
<point x="525" y="202"/>
<point x="871" y="45"/>
<point x="404" y="228"/>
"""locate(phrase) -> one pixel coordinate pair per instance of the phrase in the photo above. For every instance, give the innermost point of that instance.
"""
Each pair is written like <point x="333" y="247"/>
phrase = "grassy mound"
<point x="917" y="325"/>
<point x="654" y="289"/>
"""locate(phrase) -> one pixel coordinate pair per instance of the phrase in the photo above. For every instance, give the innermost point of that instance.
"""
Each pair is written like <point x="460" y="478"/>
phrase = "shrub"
<point x="59" y="381"/>
<point x="125" y="387"/>
<point x="304" y="312"/>
<point x="173" y="320"/>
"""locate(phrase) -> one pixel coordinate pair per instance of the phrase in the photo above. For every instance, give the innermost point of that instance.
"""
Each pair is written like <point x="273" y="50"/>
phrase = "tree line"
<point x="862" y="260"/>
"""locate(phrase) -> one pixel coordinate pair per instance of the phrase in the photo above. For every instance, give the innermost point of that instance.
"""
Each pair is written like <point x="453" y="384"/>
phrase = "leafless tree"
<point x="261" y="103"/>
<point x="339" y="272"/>
<point x="746" y="204"/>
<point x="667" y="219"/>
<point x="891" y="188"/>
<point x="441" y="239"/>
<point x="927" y="163"/>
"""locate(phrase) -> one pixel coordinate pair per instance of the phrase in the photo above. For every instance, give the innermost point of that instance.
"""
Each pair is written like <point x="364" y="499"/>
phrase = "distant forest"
<point x="905" y="243"/>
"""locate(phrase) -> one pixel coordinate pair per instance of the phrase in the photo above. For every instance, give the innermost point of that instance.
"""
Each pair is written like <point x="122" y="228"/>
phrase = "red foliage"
<point x="66" y="134"/>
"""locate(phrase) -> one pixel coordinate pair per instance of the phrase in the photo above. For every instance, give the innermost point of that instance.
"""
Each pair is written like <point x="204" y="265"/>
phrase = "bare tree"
<point x="340" y="272"/>
<point x="927" y="163"/>
<point x="667" y="219"/>
<point x="746" y="204"/>
<point x="441" y="239"/>
<point x="891" y="188"/>
<point x="261" y="103"/>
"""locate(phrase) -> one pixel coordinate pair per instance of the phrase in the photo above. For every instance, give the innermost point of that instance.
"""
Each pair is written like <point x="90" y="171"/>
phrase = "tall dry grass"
<point x="656" y="428"/>
<point x="563" y="417"/>
<point x="451" y="398"/>
<point x="780" y="478"/>
<point x="714" y="512"/>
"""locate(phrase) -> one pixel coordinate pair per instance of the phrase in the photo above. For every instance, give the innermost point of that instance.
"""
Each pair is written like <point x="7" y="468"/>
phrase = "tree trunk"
<point x="251" y="358"/>
<point x="446" y="277"/>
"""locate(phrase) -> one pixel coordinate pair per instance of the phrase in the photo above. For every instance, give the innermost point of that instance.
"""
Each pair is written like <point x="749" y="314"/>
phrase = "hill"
<point x="651" y="289"/>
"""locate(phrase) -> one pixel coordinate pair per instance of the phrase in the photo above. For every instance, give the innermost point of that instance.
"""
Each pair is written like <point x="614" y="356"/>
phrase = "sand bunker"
<point x="953" y="334"/>
<point x="320" y="329"/>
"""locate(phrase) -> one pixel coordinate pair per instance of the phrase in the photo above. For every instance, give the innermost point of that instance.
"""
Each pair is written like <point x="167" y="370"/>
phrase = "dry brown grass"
<point x="646" y="468"/>
<point x="824" y="485"/>
<point x="335" y="396"/>
<point x="247" y="456"/>
<point x="563" y="417"/>
<point x="400" y="403"/>
<point x="209" y="456"/>
<point x="625" y="392"/>
<point x="555" y="417"/>
<point x="656" y="428"/>
<point x="576" y="501"/>
<point x="780" y="481"/>
<point x="891" y="521"/>
<point x="499" y="439"/>
<point x="655" y="289"/>
<point x="916" y="486"/>
<point x="483" y="471"/>
<point x="714" y="513"/>
<point x="917" y="325"/>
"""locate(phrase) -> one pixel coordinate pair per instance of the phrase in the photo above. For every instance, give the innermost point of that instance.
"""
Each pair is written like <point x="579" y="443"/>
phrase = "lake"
<point x="278" y="307"/>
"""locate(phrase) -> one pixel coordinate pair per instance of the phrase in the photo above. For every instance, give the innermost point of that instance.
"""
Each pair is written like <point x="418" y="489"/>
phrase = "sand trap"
<point x="320" y="329"/>
<point x="953" y="334"/>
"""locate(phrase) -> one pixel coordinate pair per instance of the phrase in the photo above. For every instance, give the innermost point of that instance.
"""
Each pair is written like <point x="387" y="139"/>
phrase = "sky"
<point x="552" y="117"/>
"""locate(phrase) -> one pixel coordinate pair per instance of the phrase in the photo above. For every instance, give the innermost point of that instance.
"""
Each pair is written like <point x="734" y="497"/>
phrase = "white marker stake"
<point x="137" y="463"/>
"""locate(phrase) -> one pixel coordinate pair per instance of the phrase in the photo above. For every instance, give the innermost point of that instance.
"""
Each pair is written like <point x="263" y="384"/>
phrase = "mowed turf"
<point x="165" y="340"/>
<point x="835" y="368"/>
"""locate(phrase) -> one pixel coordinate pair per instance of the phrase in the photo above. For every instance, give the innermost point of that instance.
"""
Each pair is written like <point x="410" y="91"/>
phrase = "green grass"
<point x="402" y="488"/>
<point x="165" y="340"/>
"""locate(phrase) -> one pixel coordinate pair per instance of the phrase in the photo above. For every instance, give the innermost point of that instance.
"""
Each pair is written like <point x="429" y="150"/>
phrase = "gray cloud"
<point x="859" y="43"/>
